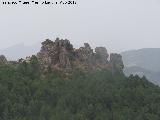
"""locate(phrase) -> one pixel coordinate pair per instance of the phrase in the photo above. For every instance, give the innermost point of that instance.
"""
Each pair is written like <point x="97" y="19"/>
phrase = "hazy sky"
<point x="117" y="24"/>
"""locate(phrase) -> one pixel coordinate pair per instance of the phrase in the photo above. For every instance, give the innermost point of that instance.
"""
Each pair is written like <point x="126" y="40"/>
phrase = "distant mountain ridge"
<point x="147" y="58"/>
<point x="20" y="51"/>
<point x="143" y="62"/>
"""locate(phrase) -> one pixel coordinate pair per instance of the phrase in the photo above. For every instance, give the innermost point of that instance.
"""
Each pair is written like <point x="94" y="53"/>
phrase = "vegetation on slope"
<point x="26" y="95"/>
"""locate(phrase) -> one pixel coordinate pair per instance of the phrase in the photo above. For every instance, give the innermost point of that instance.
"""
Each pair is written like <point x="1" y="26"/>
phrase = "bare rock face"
<point x="116" y="63"/>
<point x="55" y="55"/>
<point x="84" y="53"/>
<point x="84" y="58"/>
<point x="102" y="54"/>
<point x="3" y="60"/>
<point x="60" y="55"/>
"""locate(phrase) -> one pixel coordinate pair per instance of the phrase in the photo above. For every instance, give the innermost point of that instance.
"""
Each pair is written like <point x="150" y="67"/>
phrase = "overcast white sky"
<point x="117" y="24"/>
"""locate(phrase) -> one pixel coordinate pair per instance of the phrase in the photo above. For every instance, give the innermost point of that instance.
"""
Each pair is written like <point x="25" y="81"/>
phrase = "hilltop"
<point x="62" y="56"/>
<point x="64" y="83"/>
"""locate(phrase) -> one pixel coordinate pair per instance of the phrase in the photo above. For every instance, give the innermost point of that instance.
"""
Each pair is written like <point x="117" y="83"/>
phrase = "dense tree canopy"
<point x="26" y="95"/>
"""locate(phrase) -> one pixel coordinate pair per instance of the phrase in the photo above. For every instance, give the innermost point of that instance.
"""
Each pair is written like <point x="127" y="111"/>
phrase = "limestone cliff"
<point x="60" y="55"/>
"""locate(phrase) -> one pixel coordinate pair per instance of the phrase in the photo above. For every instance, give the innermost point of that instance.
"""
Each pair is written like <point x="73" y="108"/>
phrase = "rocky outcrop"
<point x="60" y="55"/>
<point x="56" y="55"/>
<point x="3" y="60"/>
<point x="84" y="53"/>
<point x="116" y="63"/>
<point x="101" y="55"/>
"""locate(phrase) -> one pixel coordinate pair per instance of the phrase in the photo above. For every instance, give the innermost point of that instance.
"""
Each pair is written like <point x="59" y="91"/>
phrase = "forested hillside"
<point x="26" y="94"/>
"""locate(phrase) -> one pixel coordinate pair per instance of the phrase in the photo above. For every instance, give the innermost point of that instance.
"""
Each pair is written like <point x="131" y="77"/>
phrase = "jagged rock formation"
<point x="3" y="60"/>
<point x="101" y="57"/>
<point x="60" y="55"/>
<point x="116" y="62"/>
<point x="56" y="55"/>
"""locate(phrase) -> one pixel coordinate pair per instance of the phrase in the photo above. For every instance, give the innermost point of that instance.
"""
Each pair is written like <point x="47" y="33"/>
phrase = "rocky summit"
<point x="61" y="55"/>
